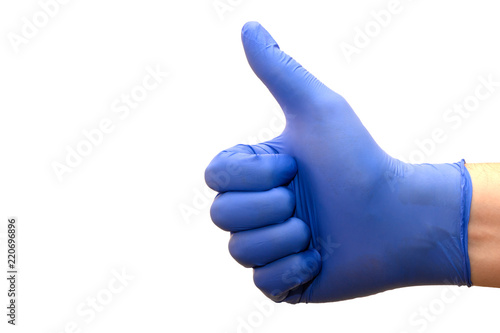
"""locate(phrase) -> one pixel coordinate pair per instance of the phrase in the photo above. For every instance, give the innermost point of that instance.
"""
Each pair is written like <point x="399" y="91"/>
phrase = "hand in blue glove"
<point x="321" y="212"/>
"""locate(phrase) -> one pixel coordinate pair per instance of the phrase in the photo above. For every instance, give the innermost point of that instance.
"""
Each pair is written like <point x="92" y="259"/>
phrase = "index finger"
<point x="250" y="168"/>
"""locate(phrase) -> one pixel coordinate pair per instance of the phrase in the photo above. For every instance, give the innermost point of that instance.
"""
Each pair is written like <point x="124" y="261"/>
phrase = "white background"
<point x="121" y="208"/>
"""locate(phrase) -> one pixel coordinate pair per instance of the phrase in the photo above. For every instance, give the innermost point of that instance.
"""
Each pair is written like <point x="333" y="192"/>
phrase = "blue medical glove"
<point x="321" y="212"/>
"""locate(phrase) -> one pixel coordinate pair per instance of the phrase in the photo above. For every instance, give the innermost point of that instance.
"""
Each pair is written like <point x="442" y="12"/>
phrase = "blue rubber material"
<point x="321" y="212"/>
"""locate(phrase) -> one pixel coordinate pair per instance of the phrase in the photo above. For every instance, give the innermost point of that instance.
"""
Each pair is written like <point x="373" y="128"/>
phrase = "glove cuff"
<point x="466" y="187"/>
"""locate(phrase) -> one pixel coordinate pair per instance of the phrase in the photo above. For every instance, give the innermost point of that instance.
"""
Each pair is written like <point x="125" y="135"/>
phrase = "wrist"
<point x="484" y="226"/>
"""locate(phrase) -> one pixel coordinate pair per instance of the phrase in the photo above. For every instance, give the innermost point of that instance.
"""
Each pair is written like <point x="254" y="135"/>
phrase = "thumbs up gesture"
<point x="321" y="213"/>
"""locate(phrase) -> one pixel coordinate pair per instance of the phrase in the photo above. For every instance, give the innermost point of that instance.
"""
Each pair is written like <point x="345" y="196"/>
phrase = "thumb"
<point x="291" y="85"/>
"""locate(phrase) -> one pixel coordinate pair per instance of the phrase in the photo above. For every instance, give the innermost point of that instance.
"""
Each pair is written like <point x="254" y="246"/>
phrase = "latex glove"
<point x="321" y="212"/>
